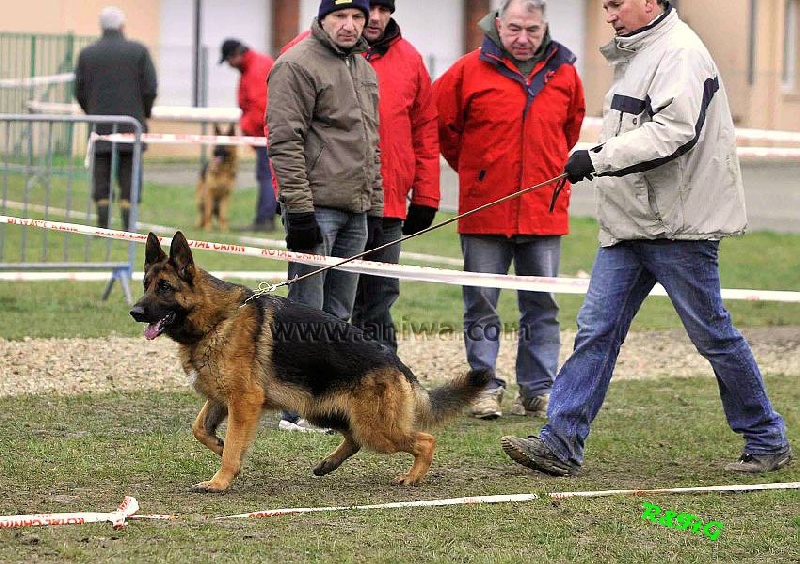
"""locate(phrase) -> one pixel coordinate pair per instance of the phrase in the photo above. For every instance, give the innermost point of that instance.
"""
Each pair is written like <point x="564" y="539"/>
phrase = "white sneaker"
<point x="487" y="404"/>
<point x="534" y="407"/>
<point x="302" y="426"/>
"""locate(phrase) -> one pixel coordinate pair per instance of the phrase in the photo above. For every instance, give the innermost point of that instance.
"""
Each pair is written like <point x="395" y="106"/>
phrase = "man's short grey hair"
<point x="111" y="18"/>
<point x="529" y="5"/>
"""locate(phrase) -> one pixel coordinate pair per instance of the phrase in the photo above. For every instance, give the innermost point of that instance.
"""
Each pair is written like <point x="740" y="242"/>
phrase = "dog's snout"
<point x="137" y="312"/>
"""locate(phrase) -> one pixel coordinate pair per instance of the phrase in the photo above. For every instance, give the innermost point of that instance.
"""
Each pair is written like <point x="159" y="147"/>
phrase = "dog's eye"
<point x="164" y="286"/>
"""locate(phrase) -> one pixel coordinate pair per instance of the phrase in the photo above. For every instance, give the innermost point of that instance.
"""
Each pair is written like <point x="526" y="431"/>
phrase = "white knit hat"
<point x="111" y="18"/>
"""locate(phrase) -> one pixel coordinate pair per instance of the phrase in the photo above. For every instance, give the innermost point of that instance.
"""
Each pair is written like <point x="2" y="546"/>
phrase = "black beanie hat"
<point x="328" y="6"/>
<point x="388" y="3"/>
<point x="230" y="47"/>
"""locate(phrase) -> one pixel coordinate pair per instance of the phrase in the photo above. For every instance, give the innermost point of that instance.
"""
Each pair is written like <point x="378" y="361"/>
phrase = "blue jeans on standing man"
<point x="539" y="332"/>
<point x="265" y="204"/>
<point x="622" y="277"/>
<point x="377" y="294"/>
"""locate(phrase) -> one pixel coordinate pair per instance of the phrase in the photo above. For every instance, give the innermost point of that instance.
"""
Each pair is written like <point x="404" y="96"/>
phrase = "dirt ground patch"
<point x="65" y="366"/>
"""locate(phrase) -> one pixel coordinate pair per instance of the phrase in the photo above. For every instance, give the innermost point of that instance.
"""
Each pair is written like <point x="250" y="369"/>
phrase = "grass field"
<point x="85" y="452"/>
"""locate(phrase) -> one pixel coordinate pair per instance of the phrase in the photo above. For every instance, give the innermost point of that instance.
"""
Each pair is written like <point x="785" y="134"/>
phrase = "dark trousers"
<point x="376" y="294"/>
<point x="265" y="205"/>
<point x="103" y="174"/>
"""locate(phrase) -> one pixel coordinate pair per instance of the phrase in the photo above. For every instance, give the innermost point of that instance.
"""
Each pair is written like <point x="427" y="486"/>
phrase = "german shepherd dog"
<point x="216" y="184"/>
<point x="249" y="354"/>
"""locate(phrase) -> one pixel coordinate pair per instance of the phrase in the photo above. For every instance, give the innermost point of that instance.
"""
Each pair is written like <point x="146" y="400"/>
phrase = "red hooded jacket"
<point x="255" y="68"/>
<point x="504" y="132"/>
<point x="408" y="128"/>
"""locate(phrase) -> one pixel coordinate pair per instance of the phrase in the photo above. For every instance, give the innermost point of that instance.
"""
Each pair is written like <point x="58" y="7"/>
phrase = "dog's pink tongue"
<point x="151" y="331"/>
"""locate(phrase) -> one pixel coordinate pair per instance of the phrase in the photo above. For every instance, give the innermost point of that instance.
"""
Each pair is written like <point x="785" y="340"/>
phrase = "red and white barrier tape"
<point x="402" y="272"/>
<point x="513" y="498"/>
<point x="188" y="138"/>
<point x="126" y="509"/>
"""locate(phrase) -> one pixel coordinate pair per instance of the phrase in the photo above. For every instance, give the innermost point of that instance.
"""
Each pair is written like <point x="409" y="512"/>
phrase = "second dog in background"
<point x="216" y="183"/>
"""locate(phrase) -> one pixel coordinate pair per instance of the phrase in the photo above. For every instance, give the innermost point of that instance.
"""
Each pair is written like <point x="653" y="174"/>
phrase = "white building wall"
<point x="246" y="20"/>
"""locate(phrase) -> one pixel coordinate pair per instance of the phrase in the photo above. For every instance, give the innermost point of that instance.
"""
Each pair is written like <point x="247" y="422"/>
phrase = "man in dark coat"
<point x="115" y="76"/>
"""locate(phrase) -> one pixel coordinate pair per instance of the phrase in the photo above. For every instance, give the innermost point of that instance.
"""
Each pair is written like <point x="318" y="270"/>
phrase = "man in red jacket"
<point x="254" y="68"/>
<point x="509" y="113"/>
<point x="409" y="161"/>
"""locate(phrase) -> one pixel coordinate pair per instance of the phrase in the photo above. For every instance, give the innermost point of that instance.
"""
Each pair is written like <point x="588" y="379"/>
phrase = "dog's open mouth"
<point x="153" y="330"/>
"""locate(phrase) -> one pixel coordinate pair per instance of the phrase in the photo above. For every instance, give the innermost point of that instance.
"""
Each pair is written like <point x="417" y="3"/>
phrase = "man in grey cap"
<point x="115" y="76"/>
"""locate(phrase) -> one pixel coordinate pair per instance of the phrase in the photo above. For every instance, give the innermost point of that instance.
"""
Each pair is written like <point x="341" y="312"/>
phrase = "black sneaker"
<point x="532" y="453"/>
<point x="758" y="463"/>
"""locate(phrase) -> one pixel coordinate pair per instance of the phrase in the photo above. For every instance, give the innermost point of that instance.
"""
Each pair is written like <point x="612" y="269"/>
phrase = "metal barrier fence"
<point x="37" y="182"/>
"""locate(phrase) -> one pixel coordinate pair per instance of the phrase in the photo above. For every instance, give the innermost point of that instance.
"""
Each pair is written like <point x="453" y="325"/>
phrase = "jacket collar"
<point x="321" y="35"/>
<point x="391" y="35"/>
<point x="623" y="47"/>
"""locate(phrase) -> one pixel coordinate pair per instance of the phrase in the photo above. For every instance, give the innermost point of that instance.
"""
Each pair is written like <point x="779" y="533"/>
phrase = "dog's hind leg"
<point x="347" y="448"/>
<point x="244" y="413"/>
<point x="205" y="425"/>
<point x="420" y="445"/>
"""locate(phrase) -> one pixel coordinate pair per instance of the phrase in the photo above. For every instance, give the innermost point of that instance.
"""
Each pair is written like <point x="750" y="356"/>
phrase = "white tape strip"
<point x="192" y="114"/>
<point x="24" y="276"/>
<point x="513" y="498"/>
<point x="403" y="272"/>
<point x="743" y="152"/>
<point x="165" y="113"/>
<point x="37" y="81"/>
<point x="742" y="133"/>
<point x="181" y="139"/>
<point x="126" y="509"/>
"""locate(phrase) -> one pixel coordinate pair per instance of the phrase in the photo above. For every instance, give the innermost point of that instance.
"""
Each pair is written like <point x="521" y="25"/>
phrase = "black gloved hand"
<point x="419" y="217"/>
<point x="579" y="166"/>
<point x="374" y="231"/>
<point x="303" y="231"/>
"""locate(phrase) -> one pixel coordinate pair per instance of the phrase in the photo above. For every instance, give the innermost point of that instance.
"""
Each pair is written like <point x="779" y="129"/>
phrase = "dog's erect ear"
<point x="153" y="252"/>
<point x="180" y="254"/>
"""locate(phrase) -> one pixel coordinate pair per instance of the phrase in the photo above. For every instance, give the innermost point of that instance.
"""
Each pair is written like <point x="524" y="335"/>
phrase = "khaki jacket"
<point x="322" y="117"/>
<point x="667" y="166"/>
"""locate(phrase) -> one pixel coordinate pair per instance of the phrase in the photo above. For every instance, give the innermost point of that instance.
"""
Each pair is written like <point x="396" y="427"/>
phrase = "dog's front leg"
<point x="244" y="413"/>
<point x="205" y="425"/>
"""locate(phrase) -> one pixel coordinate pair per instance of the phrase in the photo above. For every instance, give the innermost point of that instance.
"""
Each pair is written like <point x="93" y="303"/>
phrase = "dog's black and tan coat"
<point x="216" y="184"/>
<point x="247" y="355"/>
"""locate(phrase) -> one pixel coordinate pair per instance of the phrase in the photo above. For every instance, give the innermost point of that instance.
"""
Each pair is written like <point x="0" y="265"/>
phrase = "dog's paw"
<point x="325" y="467"/>
<point x="207" y="487"/>
<point x="405" y="480"/>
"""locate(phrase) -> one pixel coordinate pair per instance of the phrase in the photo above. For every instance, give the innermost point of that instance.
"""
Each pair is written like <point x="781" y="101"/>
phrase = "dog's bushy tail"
<point x="439" y="405"/>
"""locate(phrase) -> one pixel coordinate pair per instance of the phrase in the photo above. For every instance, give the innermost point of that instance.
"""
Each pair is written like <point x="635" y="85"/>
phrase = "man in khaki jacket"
<point x="322" y="118"/>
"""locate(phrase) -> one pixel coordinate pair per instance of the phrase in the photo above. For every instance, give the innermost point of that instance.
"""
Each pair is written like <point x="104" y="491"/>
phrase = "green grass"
<point x="760" y="260"/>
<point x="84" y="453"/>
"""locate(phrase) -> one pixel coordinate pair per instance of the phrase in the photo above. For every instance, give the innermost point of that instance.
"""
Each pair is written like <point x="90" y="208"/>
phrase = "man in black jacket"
<point x="115" y="76"/>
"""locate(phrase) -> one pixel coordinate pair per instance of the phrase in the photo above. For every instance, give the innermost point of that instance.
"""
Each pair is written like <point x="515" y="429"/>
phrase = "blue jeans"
<point x="344" y="234"/>
<point x="265" y="204"/>
<point x="622" y="277"/>
<point x="539" y="332"/>
<point x="377" y="294"/>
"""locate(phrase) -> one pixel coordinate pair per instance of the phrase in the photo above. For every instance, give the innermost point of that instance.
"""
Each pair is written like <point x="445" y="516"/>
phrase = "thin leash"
<point x="266" y="287"/>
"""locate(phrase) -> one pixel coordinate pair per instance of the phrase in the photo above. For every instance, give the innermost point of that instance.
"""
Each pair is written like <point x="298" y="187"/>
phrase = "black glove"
<point x="419" y="217"/>
<point x="579" y="166"/>
<point x="374" y="231"/>
<point x="303" y="231"/>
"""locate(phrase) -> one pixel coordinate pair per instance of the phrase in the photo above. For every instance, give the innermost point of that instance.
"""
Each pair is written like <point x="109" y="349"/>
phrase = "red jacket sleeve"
<point x="425" y="190"/>
<point x="577" y="111"/>
<point x="449" y="104"/>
